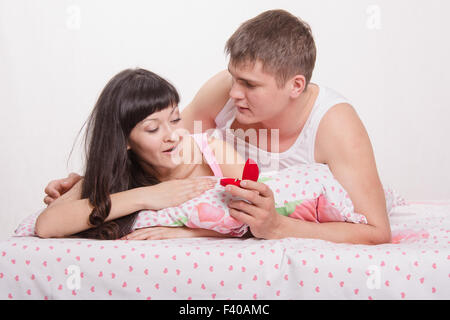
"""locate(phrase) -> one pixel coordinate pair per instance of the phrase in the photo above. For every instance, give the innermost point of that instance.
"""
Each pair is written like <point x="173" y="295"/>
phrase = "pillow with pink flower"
<point x="305" y="192"/>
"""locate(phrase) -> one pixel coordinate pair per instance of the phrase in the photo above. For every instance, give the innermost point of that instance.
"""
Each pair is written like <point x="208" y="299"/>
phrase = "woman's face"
<point x="157" y="139"/>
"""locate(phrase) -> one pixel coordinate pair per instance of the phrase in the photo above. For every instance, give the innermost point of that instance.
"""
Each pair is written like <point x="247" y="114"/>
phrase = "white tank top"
<point x="301" y="152"/>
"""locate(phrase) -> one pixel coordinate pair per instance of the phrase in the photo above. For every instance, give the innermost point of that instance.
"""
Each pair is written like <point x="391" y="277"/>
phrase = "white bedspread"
<point x="212" y="268"/>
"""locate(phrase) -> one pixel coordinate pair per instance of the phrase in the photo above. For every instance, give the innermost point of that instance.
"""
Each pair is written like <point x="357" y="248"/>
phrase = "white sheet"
<point x="211" y="268"/>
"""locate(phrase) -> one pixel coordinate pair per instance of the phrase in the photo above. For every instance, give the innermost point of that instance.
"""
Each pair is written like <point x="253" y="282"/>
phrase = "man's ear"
<point x="298" y="85"/>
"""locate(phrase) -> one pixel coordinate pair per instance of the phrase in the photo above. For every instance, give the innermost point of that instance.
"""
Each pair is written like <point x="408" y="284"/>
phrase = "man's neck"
<point x="291" y="120"/>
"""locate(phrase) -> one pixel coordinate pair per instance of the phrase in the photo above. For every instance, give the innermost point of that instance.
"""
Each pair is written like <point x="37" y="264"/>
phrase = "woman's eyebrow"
<point x="157" y="119"/>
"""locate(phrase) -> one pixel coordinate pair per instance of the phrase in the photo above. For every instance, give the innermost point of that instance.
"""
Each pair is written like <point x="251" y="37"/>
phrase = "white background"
<point x="390" y="58"/>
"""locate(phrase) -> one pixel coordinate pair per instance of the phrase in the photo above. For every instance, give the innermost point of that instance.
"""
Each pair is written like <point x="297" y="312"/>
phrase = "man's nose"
<point x="236" y="92"/>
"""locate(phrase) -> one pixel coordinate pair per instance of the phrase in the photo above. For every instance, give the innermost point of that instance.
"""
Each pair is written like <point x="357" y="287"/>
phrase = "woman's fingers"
<point x="139" y="234"/>
<point x="151" y="233"/>
<point x="175" y="192"/>
<point x="197" y="187"/>
<point x="201" y="187"/>
<point x="205" y="182"/>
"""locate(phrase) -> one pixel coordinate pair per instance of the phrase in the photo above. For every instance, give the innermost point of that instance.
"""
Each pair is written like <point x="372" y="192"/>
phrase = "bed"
<point x="417" y="266"/>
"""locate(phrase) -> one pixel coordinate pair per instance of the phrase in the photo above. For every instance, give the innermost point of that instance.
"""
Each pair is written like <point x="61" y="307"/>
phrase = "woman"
<point x="134" y="141"/>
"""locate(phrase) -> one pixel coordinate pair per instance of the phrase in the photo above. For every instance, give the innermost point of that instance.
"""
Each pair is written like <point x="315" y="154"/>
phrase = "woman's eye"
<point x="153" y="130"/>
<point x="176" y="120"/>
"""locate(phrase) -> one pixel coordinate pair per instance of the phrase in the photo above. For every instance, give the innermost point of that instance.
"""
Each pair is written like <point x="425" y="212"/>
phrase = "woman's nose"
<point x="171" y="134"/>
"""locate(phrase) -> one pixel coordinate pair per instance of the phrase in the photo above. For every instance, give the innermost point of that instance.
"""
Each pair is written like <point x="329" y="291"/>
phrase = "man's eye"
<point x="248" y="85"/>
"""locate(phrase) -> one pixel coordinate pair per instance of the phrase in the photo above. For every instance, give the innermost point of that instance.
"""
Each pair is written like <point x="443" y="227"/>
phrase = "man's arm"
<point x="342" y="143"/>
<point x="208" y="102"/>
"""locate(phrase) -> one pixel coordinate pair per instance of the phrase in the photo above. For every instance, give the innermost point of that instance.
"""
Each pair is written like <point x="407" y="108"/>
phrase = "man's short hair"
<point x="282" y="42"/>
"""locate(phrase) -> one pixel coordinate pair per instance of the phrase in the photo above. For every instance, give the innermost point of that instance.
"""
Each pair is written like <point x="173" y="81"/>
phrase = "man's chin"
<point x="245" y="118"/>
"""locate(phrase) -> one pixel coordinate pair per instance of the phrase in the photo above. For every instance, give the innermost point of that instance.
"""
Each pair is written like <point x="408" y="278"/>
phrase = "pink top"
<point x="202" y="140"/>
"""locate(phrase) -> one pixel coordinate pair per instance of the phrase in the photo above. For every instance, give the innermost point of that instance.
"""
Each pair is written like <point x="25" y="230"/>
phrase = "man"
<point x="266" y="90"/>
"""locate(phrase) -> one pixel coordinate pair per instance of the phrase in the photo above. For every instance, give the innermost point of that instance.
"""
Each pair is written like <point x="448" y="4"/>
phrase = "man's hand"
<point x="57" y="188"/>
<point x="260" y="215"/>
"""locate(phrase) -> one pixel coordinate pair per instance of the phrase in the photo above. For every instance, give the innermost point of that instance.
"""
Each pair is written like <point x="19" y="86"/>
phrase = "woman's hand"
<point x="174" y="192"/>
<point x="160" y="233"/>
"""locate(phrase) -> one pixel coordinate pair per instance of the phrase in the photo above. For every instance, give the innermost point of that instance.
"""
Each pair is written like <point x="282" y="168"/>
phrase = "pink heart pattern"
<point x="223" y="268"/>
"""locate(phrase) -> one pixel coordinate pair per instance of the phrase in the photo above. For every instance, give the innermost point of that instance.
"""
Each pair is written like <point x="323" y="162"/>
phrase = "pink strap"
<point x="202" y="141"/>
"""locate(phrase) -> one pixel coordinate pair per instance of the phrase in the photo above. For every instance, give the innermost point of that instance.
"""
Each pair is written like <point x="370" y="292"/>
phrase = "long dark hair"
<point x="128" y="98"/>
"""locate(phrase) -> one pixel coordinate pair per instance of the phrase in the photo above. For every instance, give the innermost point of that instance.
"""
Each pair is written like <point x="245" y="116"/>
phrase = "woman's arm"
<point x="70" y="214"/>
<point x="160" y="233"/>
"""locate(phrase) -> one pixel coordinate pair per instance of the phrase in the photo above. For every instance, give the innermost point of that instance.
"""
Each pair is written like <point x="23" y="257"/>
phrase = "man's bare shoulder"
<point x="208" y="102"/>
<point x="340" y="124"/>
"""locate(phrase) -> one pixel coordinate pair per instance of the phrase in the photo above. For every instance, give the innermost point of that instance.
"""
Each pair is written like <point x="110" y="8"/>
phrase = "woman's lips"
<point x="172" y="150"/>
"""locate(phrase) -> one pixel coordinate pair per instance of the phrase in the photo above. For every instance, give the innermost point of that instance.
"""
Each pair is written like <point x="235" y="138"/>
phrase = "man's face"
<point x="256" y="94"/>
